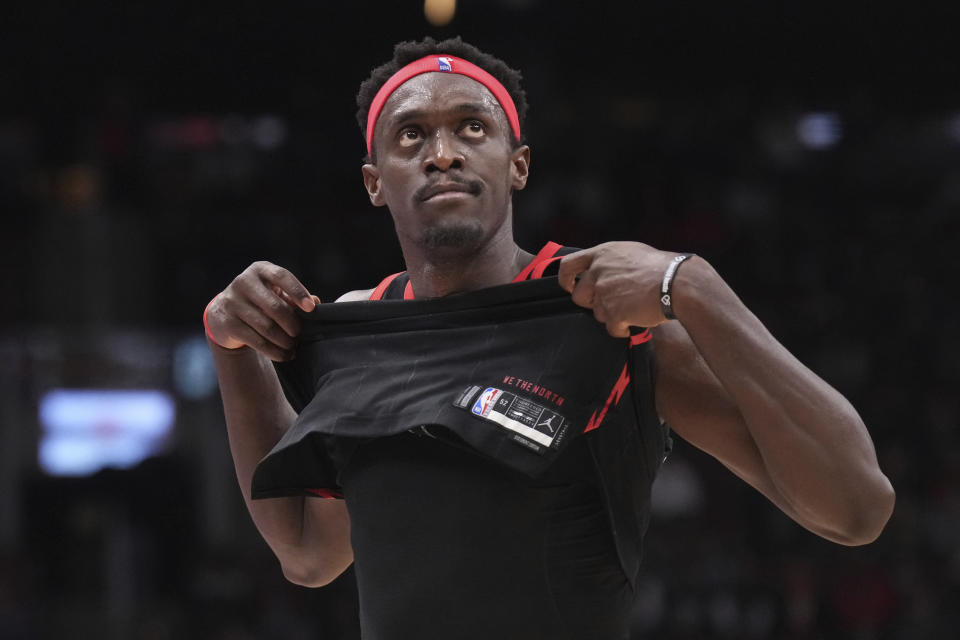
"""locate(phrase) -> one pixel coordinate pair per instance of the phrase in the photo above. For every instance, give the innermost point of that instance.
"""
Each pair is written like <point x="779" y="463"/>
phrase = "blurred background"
<point x="150" y="151"/>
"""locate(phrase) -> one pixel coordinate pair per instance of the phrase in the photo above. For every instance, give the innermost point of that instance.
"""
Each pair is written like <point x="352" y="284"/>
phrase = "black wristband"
<point x="666" y="287"/>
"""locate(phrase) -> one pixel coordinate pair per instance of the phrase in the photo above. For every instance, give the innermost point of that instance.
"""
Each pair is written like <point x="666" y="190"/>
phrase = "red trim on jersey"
<point x="329" y="494"/>
<point x="538" y="272"/>
<point x="614" y="398"/>
<point x="533" y="270"/>
<point x="546" y="254"/>
<point x="382" y="287"/>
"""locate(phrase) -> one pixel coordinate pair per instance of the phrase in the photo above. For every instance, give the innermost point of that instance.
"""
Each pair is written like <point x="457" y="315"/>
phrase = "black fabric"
<point x="451" y="545"/>
<point x="540" y="363"/>
<point x="458" y="529"/>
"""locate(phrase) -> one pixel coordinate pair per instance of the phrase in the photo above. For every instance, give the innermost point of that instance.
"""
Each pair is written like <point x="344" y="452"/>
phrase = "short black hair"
<point x="406" y="52"/>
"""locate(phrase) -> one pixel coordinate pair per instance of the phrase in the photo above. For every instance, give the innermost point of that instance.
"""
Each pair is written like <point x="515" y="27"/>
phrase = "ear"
<point x="519" y="166"/>
<point x="371" y="180"/>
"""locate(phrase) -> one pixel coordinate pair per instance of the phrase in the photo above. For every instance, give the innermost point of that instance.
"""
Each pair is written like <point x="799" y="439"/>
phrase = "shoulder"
<point x="355" y="296"/>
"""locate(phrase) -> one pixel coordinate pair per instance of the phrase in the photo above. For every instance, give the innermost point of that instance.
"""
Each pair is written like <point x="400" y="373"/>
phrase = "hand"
<point x="620" y="282"/>
<point x="258" y="310"/>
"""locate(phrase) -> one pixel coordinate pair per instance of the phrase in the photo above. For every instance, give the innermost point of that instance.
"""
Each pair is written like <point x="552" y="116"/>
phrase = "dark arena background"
<point x="149" y="151"/>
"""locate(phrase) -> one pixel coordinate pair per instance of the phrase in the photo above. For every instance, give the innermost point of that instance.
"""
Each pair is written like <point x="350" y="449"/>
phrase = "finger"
<point x="265" y="326"/>
<point x="573" y="265"/>
<point x="605" y="310"/>
<point x="600" y="312"/>
<point x="286" y="297"/>
<point x="276" y="309"/>
<point x="276" y="276"/>
<point x="293" y="303"/>
<point x="607" y="317"/>
<point x="618" y="329"/>
<point x="584" y="290"/>
<point x="254" y="340"/>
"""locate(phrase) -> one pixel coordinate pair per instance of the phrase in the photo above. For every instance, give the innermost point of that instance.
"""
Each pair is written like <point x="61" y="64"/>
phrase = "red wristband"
<point x="206" y="326"/>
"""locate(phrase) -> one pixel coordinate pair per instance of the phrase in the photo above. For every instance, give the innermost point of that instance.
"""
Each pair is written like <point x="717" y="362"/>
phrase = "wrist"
<point x="219" y="348"/>
<point x="667" y="284"/>
<point x="690" y="286"/>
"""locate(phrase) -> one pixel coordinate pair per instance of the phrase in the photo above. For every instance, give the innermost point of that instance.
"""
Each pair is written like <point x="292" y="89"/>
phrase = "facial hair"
<point x="455" y="235"/>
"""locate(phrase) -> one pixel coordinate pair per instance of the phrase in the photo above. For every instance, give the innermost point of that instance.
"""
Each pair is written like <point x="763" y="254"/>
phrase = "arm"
<point x="310" y="537"/>
<point x="726" y="385"/>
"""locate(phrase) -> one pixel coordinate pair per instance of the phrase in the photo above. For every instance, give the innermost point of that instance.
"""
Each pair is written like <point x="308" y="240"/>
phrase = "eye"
<point x="473" y="129"/>
<point x="409" y="136"/>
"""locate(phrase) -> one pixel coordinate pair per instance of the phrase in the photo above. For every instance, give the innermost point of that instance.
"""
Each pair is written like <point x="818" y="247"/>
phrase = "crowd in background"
<point x="836" y="225"/>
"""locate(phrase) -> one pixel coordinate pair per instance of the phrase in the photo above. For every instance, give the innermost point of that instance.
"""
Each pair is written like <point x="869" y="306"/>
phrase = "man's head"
<point x="445" y="150"/>
<point x="406" y="52"/>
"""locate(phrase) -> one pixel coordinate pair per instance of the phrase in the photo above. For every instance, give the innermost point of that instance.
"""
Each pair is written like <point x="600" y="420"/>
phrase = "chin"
<point x="452" y="235"/>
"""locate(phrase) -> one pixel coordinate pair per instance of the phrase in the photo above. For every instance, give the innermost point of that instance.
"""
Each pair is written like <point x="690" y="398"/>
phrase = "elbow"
<point x="318" y="563"/>
<point x="869" y="518"/>
<point x="306" y="574"/>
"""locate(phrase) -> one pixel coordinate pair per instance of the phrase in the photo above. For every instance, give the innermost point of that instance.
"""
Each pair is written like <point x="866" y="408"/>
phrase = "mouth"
<point x="449" y="190"/>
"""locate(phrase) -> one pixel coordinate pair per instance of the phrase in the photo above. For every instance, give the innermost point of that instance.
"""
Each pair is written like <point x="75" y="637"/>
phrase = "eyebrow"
<point x="402" y="117"/>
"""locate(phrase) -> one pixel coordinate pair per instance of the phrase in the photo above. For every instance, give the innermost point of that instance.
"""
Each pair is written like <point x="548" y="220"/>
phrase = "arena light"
<point x="194" y="374"/>
<point x="269" y="132"/>
<point x="439" y="13"/>
<point x="86" y="430"/>
<point x="820" y="129"/>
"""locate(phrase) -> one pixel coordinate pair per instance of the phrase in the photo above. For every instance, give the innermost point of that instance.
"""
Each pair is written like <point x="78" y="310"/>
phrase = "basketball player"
<point x="449" y="544"/>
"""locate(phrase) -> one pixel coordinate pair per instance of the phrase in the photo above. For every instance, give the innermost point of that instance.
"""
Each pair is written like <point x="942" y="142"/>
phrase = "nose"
<point x="443" y="153"/>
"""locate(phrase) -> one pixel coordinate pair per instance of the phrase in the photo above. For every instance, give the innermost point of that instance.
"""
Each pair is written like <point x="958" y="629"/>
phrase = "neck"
<point x="439" y="273"/>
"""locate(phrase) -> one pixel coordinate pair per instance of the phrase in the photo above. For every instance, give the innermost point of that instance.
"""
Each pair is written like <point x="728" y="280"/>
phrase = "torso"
<point x="448" y="544"/>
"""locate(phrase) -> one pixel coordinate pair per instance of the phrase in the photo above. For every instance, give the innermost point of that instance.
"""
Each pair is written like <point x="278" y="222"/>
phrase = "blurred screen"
<point x="86" y="430"/>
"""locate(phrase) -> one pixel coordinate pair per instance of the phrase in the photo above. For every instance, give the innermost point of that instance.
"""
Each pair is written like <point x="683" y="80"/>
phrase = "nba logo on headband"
<point x="445" y="64"/>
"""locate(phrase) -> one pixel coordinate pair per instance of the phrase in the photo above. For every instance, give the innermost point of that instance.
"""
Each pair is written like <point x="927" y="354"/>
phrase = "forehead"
<point x="436" y="93"/>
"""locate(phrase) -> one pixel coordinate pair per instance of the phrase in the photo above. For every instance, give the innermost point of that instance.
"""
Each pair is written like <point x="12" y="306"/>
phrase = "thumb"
<point x="572" y="266"/>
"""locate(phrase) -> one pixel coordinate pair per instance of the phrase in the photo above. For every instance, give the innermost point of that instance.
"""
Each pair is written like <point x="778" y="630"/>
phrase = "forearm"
<point x="302" y="533"/>
<point x="257" y="417"/>
<point x="814" y="448"/>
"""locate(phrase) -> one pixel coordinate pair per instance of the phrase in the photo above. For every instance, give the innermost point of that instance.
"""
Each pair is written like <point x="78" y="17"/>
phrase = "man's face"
<point x="445" y="165"/>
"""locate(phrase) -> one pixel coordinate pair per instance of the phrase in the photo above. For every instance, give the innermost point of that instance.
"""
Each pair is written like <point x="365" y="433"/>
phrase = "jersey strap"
<point x="382" y="287"/>
<point x="539" y="263"/>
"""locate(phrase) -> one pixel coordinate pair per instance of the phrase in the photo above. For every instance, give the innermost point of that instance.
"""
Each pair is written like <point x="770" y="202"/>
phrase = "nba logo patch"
<point x="486" y="401"/>
<point x="531" y="424"/>
<point x="444" y="64"/>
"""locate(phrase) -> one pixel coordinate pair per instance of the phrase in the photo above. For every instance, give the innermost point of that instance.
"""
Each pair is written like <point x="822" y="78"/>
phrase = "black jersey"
<point x="495" y="449"/>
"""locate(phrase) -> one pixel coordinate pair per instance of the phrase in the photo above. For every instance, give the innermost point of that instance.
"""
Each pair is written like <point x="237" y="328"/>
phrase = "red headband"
<point x="446" y="64"/>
